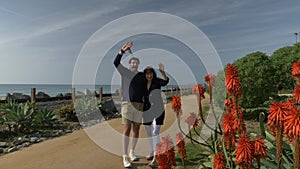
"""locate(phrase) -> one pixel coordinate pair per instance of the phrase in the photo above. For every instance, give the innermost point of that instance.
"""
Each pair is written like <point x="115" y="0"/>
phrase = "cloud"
<point x="59" y="25"/>
<point x="11" y="12"/>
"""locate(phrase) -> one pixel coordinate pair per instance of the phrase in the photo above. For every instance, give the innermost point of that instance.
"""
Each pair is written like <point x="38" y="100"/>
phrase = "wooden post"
<point x="100" y="93"/>
<point x="33" y="95"/>
<point x="73" y="94"/>
<point x="172" y="91"/>
<point x="121" y="94"/>
<point x="177" y="91"/>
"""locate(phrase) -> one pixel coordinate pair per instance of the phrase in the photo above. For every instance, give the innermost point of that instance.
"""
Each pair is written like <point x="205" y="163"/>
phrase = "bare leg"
<point x="136" y="131"/>
<point x="126" y="133"/>
<point x="156" y="140"/>
<point x="149" y="130"/>
<point x="156" y="136"/>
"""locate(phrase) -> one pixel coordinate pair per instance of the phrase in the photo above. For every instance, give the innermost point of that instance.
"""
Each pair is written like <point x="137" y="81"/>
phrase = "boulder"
<point x="108" y="106"/>
<point x="42" y="95"/>
<point x="17" y="96"/>
<point x="68" y="94"/>
<point x="59" y="95"/>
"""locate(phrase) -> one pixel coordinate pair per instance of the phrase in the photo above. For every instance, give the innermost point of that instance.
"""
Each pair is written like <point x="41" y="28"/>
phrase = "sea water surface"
<point x="53" y="89"/>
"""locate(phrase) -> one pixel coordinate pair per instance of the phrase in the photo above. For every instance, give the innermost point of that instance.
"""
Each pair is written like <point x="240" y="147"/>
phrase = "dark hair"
<point x="150" y="69"/>
<point x="134" y="58"/>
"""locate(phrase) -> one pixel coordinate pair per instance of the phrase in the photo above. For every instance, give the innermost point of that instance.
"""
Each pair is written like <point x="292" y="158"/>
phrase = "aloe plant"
<point x="287" y="152"/>
<point x="86" y="107"/>
<point x="18" y="116"/>
<point x="86" y="104"/>
<point x="44" y="118"/>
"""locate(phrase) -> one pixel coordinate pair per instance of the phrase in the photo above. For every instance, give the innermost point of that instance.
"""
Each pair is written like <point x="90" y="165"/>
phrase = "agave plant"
<point x="86" y="107"/>
<point x="44" y="118"/>
<point x="86" y="104"/>
<point x="18" y="116"/>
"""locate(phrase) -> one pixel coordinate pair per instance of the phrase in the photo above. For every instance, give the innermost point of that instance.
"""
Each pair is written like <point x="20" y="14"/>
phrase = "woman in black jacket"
<point x="154" y="113"/>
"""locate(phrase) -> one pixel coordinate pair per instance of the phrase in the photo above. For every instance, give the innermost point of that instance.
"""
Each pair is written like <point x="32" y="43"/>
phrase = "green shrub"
<point x="67" y="112"/>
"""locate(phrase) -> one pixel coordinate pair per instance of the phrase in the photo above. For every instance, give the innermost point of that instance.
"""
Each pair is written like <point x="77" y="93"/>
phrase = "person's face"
<point x="134" y="65"/>
<point x="149" y="76"/>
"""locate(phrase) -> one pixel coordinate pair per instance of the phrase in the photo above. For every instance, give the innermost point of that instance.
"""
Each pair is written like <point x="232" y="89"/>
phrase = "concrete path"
<point x="97" y="147"/>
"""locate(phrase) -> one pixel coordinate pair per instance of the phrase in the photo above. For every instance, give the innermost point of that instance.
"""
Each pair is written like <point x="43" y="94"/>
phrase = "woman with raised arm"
<point x="154" y="113"/>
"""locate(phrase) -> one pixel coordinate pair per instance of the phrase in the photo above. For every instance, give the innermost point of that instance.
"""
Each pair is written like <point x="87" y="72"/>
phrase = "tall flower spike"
<point x="297" y="93"/>
<point x="232" y="82"/>
<point x="219" y="161"/>
<point x="296" y="68"/>
<point x="244" y="152"/>
<point x="292" y="123"/>
<point x="181" y="145"/>
<point x="292" y="131"/>
<point x="210" y="79"/>
<point x="176" y="105"/>
<point x="228" y="105"/>
<point x="278" y="111"/>
<point x="228" y="126"/>
<point x="192" y="120"/>
<point x="260" y="148"/>
<point x="198" y="90"/>
<point x="296" y="71"/>
<point x="168" y="148"/>
<point x="234" y="122"/>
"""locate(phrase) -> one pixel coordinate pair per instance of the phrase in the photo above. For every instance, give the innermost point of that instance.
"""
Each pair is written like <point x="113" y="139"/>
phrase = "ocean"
<point x="53" y="89"/>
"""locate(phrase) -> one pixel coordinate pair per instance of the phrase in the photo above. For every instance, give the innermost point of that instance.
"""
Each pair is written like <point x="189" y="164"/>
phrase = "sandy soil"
<point x="97" y="147"/>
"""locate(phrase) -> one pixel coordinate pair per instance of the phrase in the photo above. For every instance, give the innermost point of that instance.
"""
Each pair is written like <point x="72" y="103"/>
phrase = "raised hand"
<point x="161" y="67"/>
<point x="127" y="46"/>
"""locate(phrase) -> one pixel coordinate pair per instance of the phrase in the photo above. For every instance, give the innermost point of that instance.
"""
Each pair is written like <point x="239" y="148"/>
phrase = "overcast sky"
<point x="41" y="40"/>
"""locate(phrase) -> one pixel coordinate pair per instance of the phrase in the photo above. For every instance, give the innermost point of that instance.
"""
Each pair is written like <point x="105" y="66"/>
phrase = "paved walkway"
<point x="97" y="147"/>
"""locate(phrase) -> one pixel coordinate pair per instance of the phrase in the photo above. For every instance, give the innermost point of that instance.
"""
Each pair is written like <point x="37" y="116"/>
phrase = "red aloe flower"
<point x="169" y="150"/>
<point x="238" y="123"/>
<point x="233" y="122"/>
<point x="227" y="125"/>
<point x="176" y="104"/>
<point x="198" y="90"/>
<point x="278" y="111"/>
<point x="181" y="145"/>
<point x="292" y="130"/>
<point x="260" y="148"/>
<point x="292" y="124"/>
<point x="219" y="161"/>
<point x="297" y="93"/>
<point x="192" y="120"/>
<point x="229" y="140"/>
<point x="210" y="79"/>
<point x="161" y="157"/>
<point x="244" y="152"/>
<point x="228" y="104"/>
<point x="230" y="126"/>
<point x="232" y="81"/>
<point x="296" y="69"/>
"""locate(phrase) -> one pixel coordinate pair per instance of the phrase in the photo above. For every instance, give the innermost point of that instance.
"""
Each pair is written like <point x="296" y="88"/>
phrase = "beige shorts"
<point x="132" y="112"/>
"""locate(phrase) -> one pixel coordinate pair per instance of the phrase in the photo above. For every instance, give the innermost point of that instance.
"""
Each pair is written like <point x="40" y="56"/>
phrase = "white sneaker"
<point x="126" y="163"/>
<point x="153" y="163"/>
<point x="132" y="156"/>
